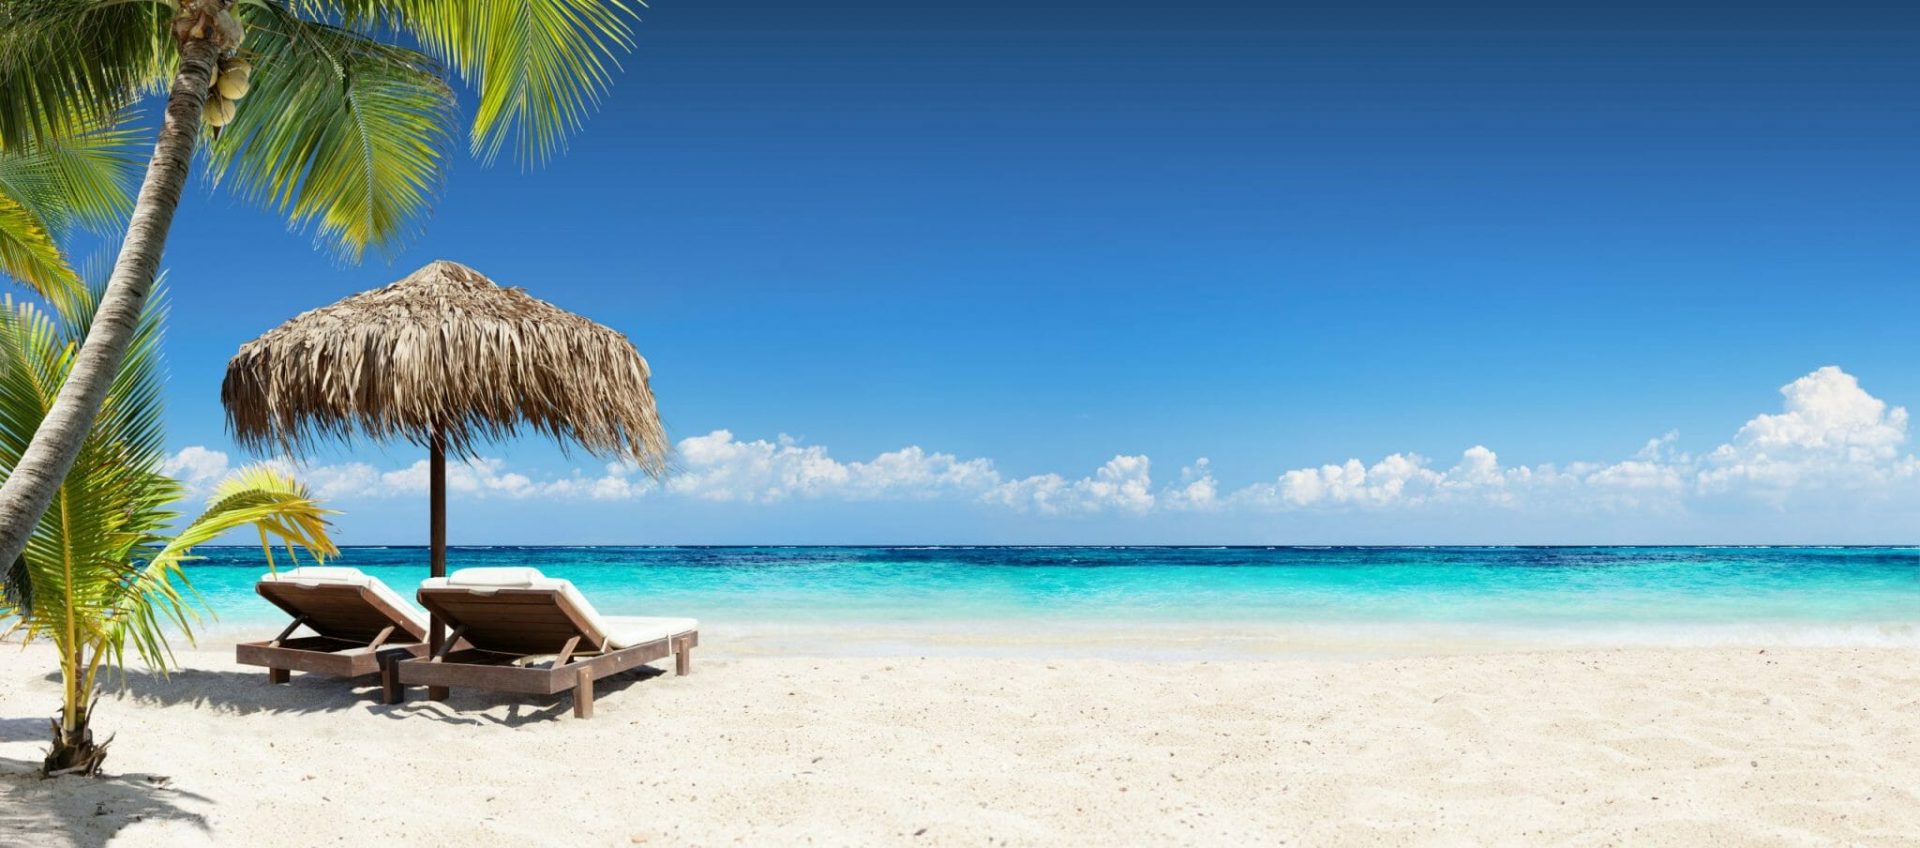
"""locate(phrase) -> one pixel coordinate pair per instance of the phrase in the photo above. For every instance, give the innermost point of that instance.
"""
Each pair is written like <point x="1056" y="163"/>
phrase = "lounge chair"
<point x="358" y="624"/>
<point x="529" y="633"/>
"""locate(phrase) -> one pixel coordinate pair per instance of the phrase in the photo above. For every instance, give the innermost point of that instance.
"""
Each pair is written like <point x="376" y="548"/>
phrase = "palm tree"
<point x="100" y="573"/>
<point x="343" y="130"/>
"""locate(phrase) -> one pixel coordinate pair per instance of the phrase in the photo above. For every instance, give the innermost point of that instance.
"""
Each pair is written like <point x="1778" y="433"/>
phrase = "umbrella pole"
<point x="437" y="523"/>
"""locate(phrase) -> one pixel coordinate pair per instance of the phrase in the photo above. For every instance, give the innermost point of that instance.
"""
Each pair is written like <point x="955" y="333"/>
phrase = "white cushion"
<point x="313" y="575"/>
<point x="515" y="578"/>
<point x="620" y="632"/>
<point x="491" y="579"/>
<point x="339" y="575"/>
<point x="626" y="631"/>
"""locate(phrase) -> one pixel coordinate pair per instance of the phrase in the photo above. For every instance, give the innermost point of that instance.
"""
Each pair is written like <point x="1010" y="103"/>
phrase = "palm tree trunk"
<point x="28" y="491"/>
<point x="73" y="750"/>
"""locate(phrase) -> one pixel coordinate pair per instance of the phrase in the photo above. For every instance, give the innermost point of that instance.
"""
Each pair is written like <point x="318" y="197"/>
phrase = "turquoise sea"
<point x="1194" y="602"/>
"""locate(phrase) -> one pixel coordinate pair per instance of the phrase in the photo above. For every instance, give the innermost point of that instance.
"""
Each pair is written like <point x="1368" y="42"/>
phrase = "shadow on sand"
<point x="85" y="811"/>
<point x="239" y="692"/>
<point x="247" y="693"/>
<point x="478" y="706"/>
<point x="26" y="729"/>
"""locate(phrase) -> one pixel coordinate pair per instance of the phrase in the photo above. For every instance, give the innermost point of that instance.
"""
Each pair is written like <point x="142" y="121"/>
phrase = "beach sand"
<point x="1646" y="747"/>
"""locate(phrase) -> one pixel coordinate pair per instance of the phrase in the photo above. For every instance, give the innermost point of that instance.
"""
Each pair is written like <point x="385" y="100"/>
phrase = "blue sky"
<point x="1052" y="236"/>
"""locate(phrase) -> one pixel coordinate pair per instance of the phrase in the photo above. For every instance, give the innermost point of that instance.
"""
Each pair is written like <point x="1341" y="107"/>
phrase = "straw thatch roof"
<point x="444" y="350"/>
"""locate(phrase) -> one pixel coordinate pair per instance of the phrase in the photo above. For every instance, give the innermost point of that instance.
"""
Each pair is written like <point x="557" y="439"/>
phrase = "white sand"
<point x="1645" y="747"/>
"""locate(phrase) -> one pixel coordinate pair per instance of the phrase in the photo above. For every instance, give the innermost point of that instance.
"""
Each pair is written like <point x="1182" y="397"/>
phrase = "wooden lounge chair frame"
<point x="505" y="631"/>
<point x="357" y="632"/>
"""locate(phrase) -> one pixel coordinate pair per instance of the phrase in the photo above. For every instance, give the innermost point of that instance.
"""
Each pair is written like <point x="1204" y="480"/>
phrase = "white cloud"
<point x="486" y="476"/>
<point x="1123" y="483"/>
<point x="196" y="467"/>
<point x="346" y="480"/>
<point x="1197" y="490"/>
<point x="1400" y="477"/>
<point x="718" y="467"/>
<point x="1830" y="435"/>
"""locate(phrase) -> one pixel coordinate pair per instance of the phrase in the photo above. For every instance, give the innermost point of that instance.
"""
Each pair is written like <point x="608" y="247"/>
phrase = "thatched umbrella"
<point x="445" y="359"/>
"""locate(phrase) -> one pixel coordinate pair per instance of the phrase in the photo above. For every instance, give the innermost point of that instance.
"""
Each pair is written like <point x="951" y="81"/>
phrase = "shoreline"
<point x="1651" y="746"/>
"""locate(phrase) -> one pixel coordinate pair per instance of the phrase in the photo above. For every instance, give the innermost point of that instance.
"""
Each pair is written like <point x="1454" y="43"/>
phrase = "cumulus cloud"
<point x="718" y="467"/>
<point x="1397" y="478"/>
<point x="196" y="467"/>
<point x="1123" y="483"/>
<point x="200" y="468"/>
<point x="1196" y="491"/>
<point x="1830" y="434"/>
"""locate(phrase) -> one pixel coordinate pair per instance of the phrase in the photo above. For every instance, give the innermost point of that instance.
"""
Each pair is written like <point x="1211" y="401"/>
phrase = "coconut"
<point x="236" y="66"/>
<point x="233" y="86"/>
<point x="219" y="111"/>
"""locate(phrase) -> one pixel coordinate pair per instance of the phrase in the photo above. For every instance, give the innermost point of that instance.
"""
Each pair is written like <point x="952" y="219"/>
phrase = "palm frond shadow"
<point x="86" y="812"/>
<point x="240" y="693"/>
<point x="24" y="729"/>
<point x="248" y="693"/>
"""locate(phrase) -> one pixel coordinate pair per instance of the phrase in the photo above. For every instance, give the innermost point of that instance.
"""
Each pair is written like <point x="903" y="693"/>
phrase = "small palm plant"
<point x="102" y="571"/>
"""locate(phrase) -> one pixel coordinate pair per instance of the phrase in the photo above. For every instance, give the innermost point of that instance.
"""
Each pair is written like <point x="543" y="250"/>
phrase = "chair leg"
<point x="391" y="692"/>
<point x="682" y="659"/>
<point x="278" y="675"/>
<point x="583" y="695"/>
<point x="438" y="693"/>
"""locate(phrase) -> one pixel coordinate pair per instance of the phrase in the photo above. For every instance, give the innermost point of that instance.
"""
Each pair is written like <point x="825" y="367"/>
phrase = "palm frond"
<point x="101" y="575"/>
<point x="82" y="180"/>
<point x="539" y="66"/>
<point x="16" y="591"/>
<point x="258" y="496"/>
<point x="34" y="356"/>
<point x="67" y="64"/>
<point x="262" y="494"/>
<point x="113" y="504"/>
<point x="22" y="405"/>
<point x="28" y="252"/>
<point x="366" y="158"/>
<point x="54" y="184"/>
